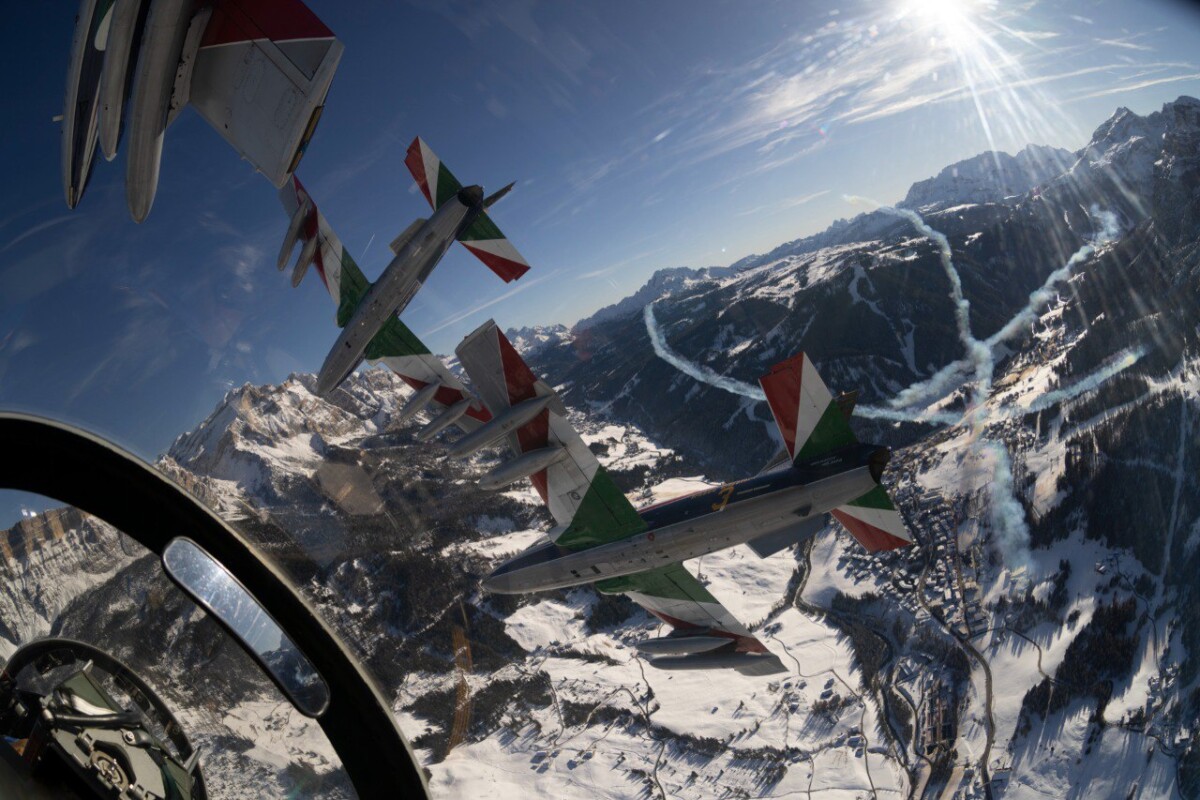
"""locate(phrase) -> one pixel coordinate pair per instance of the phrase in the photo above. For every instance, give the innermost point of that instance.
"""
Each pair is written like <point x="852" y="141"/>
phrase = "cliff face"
<point x="988" y="178"/>
<point x="47" y="561"/>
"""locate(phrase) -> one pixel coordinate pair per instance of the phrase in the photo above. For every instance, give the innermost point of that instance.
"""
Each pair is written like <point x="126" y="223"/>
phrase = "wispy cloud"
<point x="34" y="230"/>
<point x="387" y="142"/>
<point x="520" y="287"/>
<point x="782" y="205"/>
<point x="1127" y="44"/>
<point x="788" y="101"/>
<point x="1130" y="87"/>
<point x="625" y="262"/>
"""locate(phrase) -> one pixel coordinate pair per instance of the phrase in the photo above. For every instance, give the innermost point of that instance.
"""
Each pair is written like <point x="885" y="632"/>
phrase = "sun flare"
<point x="949" y="19"/>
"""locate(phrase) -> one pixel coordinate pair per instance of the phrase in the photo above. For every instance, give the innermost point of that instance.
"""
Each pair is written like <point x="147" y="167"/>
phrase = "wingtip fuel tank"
<point x="80" y="118"/>
<point x="154" y="80"/>
<point x="124" y="32"/>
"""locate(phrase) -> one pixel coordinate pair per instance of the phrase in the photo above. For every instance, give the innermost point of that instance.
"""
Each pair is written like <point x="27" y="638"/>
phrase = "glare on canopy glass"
<point x="211" y="585"/>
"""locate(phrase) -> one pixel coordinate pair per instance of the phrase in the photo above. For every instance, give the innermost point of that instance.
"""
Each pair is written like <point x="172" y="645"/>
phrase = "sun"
<point x="949" y="19"/>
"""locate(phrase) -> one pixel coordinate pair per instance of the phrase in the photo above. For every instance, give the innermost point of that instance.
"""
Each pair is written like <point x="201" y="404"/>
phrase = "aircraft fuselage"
<point x="398" y="284"/>
<point x="699" y="524"/>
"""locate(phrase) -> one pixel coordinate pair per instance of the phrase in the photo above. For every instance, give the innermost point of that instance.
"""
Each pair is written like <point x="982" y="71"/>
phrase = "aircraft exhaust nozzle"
<point x="681" y="645"/>
<point x="510" y="420"/>
<point x="522" y="467"/>
<point x="444" y="420"/>
<point x="495" y="198"/>
<point x="420" y="399"/>
<point x="306" y="257"/>
<point x="293" y="233"/>
<point x="471" y="196"/>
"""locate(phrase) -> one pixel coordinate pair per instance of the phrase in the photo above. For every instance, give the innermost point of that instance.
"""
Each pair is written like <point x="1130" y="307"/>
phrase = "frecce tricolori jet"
<point x="600" y="538"/>
<point x="366" y="312"/>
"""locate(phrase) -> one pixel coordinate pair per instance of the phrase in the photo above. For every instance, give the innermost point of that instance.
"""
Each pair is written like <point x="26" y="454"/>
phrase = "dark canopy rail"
<point x="72" y="466"/>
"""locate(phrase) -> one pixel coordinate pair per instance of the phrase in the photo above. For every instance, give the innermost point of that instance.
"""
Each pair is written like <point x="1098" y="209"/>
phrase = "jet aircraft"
<point x="367" y="312"/>
<point x="257" y="70"/>
<point x="601" y="538"/>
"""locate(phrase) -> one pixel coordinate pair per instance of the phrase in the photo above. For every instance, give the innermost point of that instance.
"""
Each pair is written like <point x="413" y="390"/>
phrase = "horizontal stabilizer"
<point x="874" y="521"/>
<point x="489" y="245"/>
<point x="772" y="543"/>
<point x="482" y="237"/>
<point x="433" y="178"/>
<point x="261" y="77"/>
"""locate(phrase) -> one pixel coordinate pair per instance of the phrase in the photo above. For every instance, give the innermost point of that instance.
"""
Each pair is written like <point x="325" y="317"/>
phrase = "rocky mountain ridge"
<point x="988" y="178"/>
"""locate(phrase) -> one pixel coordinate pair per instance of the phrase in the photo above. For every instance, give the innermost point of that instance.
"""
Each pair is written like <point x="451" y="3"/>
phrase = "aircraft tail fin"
<point x="260" y="79"/>
<point x="811" y="420"/>
<point x="433" y="178"/>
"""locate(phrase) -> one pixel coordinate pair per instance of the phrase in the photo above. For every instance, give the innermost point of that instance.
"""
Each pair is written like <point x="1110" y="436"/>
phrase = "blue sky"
<point x="642" y="135"/>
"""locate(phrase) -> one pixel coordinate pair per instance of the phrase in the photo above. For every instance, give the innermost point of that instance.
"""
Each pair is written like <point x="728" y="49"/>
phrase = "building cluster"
<point x="942" y="572"/>
<point x="937" y="726"/>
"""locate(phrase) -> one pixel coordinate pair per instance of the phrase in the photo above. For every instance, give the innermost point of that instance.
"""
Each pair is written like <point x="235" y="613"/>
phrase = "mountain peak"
<point x="663" y="281"/>
<point x="258" y="433"/>
<point x="988" y="177"/>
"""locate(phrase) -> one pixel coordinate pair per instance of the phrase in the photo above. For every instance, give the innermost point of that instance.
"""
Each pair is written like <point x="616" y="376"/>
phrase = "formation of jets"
<point x="258" y="71"/>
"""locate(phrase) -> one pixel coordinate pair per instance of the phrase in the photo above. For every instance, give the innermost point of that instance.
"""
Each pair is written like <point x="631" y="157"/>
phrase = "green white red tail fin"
<point x="813" y="423"/>
<point x="809" y="418"/>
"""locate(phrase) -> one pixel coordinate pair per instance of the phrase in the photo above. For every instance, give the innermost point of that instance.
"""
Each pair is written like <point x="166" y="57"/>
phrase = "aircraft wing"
<point x="676" y="597"/>
<point x="590" y="510"/>
<point x="258" y="71"/>
<point x="586" y="504"/>
<point x="395" y="345"/>
<point x="483" y="238"/>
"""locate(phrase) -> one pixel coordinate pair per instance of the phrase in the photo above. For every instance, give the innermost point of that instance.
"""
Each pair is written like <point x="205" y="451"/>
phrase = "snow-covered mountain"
<point x="662" y="282"/>
<point x="988" y="178"/>
<point x="1042" y="634"/>
<point x="531" y="340"/>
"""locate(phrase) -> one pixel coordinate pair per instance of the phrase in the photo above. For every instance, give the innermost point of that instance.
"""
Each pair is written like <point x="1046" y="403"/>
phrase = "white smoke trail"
<point x="705" y="375"/>
<point x="1088" y="383"/>
<point x="1106" y="231"/>
<point x="697" y="371"/>
<point x="946" y="380"/>
<point x="1008" y="516"/>
<point x="901" y="415"/>
<point x="979" y="355"/>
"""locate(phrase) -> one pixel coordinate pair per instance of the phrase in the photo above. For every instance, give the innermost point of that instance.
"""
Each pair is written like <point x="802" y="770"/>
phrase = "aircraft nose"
<point x="471" y="195"/>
